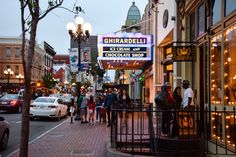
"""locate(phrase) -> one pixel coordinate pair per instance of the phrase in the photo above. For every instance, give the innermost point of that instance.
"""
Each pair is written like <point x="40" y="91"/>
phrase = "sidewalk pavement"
<point x="71" y="140"/>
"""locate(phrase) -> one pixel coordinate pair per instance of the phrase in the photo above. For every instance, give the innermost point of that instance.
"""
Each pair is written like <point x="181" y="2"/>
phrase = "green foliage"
<point x="48" y="81"/>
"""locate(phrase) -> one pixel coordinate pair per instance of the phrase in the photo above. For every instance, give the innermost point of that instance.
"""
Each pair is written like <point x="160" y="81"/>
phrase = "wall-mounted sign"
<point x="184" y="53"/>
<point x="124" y="46"/>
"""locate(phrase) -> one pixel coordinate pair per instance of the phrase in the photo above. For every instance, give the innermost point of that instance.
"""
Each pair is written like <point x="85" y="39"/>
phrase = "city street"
<point x="37" y="128"/>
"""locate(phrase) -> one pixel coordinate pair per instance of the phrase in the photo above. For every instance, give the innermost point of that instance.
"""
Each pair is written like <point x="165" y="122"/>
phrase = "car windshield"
<point x="9" y="96"/>
<point x="46" y="100"/>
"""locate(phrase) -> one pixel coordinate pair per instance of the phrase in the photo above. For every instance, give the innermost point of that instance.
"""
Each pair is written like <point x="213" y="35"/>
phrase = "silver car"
<point x="48" y="107"/>
<point x="4" y="133"/>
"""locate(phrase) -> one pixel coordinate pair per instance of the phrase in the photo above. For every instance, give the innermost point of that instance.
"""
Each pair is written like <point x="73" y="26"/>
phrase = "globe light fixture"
<point x="79" y="31"/>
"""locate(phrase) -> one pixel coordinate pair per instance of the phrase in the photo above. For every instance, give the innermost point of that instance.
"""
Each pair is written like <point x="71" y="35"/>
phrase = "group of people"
<point x="102" y="105"/>
<point x="169" y="102"/>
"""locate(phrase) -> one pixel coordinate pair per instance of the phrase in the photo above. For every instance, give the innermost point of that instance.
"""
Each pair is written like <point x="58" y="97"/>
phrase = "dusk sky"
<point x="105" y="16"/>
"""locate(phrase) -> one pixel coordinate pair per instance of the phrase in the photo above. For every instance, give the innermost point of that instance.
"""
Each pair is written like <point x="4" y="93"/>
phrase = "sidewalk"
<point x="71" y="140"/>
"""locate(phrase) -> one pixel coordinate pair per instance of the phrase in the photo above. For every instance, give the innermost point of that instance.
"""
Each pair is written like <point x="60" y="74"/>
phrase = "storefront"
<point x="213" y="74"/>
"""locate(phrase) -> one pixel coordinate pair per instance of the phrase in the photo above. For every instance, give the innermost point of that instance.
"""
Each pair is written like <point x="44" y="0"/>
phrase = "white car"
<point x="48" y="107"/>
<point x="4" y="133"/>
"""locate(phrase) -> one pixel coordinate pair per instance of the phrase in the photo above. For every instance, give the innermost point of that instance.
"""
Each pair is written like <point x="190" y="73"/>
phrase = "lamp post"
<point x="8" y="73"/>
<point x="79" y="32"/>
<point x="19" y="77"/>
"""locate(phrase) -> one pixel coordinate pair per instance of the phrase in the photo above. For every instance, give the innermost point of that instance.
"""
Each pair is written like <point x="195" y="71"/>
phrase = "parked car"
<point x="67" y="99"/>
<point x="51" y="107"/>
<point x="11" y="102"/>
<point x="4" y="133"/>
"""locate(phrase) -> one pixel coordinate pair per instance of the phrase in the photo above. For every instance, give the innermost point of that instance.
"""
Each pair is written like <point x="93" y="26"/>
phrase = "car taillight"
<point x="52" y="106"/>
<point x="13" y="102"/>
<point x="32" y="105"/>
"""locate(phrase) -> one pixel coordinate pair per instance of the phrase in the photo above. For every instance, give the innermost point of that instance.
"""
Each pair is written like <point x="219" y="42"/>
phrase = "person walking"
<point x="124" y="102"/>
<point x="83" y="109"/>
<point x="110" y="101"/>
<point x="91" y="107"/>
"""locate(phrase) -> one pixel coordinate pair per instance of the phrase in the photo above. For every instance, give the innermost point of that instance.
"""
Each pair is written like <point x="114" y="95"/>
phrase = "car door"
<point x="61" y="106"/>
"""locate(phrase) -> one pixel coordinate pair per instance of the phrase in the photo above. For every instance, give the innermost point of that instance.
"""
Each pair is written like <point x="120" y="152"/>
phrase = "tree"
<point x="29" y="24"/>
<point x="48" y="81"/>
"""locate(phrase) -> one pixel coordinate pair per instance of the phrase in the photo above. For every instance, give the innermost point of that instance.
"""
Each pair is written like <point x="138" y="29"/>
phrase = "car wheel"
<point x="4" y="140"/>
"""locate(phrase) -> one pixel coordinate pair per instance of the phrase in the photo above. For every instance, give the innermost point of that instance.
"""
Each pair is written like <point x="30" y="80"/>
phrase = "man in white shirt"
<point x="188" y="100"/>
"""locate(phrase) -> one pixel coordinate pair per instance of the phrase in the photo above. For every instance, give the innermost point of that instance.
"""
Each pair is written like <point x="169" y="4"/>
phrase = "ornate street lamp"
<point x="8" y="73"/>
<point x="20" y="77"/>
<point x="79" y="32"/>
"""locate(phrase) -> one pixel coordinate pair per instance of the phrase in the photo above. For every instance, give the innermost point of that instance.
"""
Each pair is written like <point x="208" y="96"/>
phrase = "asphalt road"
<point x="37" y="128"/>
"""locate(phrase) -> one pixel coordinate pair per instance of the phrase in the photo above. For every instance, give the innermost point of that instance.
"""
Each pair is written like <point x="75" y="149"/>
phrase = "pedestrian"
<point x="83" y="109"/>
<point x="188" y="99"/>
<point x="91" y="107"/>
<point x="165" y="102"/>
<point x="98" y="106"/>
<point x="177" y="96"/>
<point x="110" y="101"/>
<point x="124" y="102"/>
<point x="174" y="128"/>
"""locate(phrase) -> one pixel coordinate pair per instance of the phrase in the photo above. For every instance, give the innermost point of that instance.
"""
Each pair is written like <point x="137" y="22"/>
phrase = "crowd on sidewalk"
<point x="99" y="106"/>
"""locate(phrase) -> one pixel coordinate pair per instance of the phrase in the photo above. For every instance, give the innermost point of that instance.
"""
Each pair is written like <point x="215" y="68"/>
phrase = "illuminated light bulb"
<point x="226" y="86"/>
<point x="229" y="59"/>
<point x="228" y="136"/>
<point x="226" y="63"/>
<point x="226" y="74"/>
<point x="228" y="141"/>
<point x="227" y="98"/>
<point x="228" y="117"/>
<point x="212" y="56"/>
<point x="214" y="85"/>
<point x="213" y="72"/>
<point x="232" y="116"/>
<point x="212" y="64"/>
<point x="214" y="127"/>
<point x="233" y="145"/>
<point x="214" y="135"/>
<point x="213" y="118"/>
<point x="219" y="114"/>
<point x="227" y="126"/>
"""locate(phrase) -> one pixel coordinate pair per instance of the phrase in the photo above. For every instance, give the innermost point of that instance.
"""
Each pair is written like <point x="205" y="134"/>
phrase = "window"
<point x="230" y="5"/>
<point x="215" y="71"/>
<point x="216" y="9"/>
<point x="16" y="70"/>
<point x="230" y="66"/>
<point x="192" y="27"/>
<point x="201" y="20"/>
<point x="17" y="53"/>
<point x="8" y="52"/>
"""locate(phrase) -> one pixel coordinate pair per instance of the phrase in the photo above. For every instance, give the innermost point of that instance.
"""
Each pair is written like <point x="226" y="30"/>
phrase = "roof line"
<point x="133" y="25"/>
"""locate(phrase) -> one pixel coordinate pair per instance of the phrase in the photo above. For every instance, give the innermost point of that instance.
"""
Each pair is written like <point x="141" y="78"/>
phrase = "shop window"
<point x="215" y="70"/>
<point x="192" y="27"/>
<point x="230" y="66"/>
<point x="216" y="10"/>
<point x="201" y="20"/>
<point x="230" y="6"/>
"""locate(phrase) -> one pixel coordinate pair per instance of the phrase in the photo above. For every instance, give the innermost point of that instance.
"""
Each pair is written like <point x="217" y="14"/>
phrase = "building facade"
<point x="210" y="26"/>
<point x="10" y="58"/>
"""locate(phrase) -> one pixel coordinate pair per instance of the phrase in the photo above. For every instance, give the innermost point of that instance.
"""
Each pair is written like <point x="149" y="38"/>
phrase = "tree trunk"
<point x="27" y="93"/>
